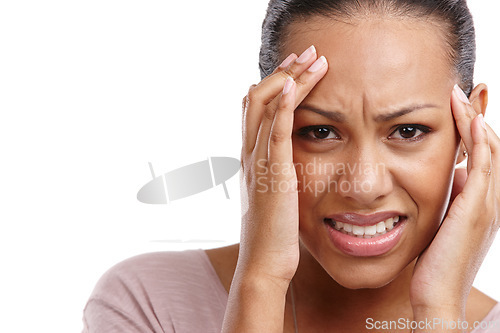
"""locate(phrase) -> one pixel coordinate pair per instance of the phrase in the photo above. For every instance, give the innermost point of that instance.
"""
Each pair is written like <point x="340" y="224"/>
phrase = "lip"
<point x="363" y="220"/>
<point x="367" y="247"/>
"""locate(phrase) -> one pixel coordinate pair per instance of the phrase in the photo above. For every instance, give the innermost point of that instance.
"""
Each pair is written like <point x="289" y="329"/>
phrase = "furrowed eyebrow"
<point x="340" y="117"/>
<point x="403" y="111"/>
<point x="332" y="115"/>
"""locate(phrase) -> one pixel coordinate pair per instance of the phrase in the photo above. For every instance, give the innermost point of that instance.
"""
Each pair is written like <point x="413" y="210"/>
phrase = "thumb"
<point x="458" y="182"/>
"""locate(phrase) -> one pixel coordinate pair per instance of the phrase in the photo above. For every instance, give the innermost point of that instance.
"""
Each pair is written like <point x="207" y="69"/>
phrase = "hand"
<point x="445" y="271"/>
<point x="269" y="246"/>
<point x="269" y="238"/>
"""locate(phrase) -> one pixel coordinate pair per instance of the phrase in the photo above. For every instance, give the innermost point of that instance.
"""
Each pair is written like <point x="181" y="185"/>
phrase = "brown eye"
<point x="319" y="133"/>
<point x="409" y="132"/>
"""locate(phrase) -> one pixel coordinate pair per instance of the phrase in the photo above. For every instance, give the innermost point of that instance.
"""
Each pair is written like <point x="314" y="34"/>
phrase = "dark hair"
<point x="453" y="16"/>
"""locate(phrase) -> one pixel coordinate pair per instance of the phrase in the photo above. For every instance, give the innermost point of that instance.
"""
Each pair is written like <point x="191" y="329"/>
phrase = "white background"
<point x="90" y="92"/>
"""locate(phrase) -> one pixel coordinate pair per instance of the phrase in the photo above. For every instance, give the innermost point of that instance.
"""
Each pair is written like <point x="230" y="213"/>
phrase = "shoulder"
<point x="160" y="290"/>
<point x="482" y="310"/>
<point x="168" y="264"/>
<point x="158" y="270"/>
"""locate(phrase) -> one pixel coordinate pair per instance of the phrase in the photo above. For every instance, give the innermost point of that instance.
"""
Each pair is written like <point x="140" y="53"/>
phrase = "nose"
<point x="367" y="178"/>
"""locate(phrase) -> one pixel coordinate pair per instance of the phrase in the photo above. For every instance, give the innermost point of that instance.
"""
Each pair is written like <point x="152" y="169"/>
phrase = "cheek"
<point x="427" y="178"/>
<point x="314" y="177"/>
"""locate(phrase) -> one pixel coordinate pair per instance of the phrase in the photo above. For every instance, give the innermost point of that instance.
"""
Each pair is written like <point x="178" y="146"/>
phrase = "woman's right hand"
<point x="269" y="245"/>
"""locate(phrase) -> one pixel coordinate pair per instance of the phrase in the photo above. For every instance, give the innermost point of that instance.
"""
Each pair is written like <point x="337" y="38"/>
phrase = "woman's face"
<point x="374" y="139"/>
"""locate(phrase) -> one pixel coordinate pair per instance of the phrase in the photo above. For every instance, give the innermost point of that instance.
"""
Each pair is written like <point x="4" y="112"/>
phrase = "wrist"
<point x="256" y="303"/>
<point x="256" y="280"/>
<point x="440" y="319"/>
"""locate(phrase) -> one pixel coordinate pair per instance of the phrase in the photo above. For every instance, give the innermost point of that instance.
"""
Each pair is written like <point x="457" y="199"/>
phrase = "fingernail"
<point x="461" y="95"/>
<point x="318" y="64"/>
<point x="288" y="60"/>
<point x="306" y="55"/>
<point x="481" y="120"/>
<point x="288" y="85"/>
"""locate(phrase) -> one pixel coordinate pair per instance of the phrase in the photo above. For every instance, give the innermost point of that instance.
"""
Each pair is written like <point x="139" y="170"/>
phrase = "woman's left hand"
<point x="444" y="272"/>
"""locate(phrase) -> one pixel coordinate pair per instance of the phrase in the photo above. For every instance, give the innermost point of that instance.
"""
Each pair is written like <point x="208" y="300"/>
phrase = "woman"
<point x="355" y="219"/>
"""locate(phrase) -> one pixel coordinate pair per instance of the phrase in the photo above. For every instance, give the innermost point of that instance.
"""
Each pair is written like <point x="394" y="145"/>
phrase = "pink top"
<point x="158" y="292"/>
<point x="170" y="292"/>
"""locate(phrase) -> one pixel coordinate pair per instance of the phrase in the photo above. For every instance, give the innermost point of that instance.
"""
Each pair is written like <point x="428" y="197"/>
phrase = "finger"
<point x="458" y="182"/>
<point x="480" y="178"/>
<point x="494" y="142"/>
<point x="259" y="96"/>
<point x="244" y="109"/>
<point x="304" y="84"/>
<point x="285" y="63"/>
<point x="306" y="81"/>
<point x="280" y="137"/>
<point x="464" y="113"/>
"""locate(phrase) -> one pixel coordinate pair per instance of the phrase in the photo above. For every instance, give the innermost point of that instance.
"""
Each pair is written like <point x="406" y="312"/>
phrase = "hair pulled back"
<point x="453" y="16"/>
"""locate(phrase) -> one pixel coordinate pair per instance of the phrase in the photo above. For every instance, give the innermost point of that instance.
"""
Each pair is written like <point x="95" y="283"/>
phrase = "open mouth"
<point x="369" y="231"/>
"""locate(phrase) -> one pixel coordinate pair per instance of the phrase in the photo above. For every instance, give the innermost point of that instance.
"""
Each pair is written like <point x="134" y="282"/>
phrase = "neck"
<point x="320" y="299"/>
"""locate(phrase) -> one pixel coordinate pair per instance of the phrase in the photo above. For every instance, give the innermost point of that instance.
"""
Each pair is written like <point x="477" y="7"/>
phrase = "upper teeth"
<point x="379" y="228"/>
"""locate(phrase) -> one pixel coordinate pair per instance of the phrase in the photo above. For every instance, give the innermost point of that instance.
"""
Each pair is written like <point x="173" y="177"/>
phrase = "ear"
<point x="479" y="100"/>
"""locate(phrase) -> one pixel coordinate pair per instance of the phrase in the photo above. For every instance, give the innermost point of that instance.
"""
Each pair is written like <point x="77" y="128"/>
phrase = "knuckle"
<point x="300" y="81"/>
<point x="244" y="103"/>
<point x="273" y="105"/>
<point x="486" y="171"/>
<point x="269" y="113"/>
<point x="287" y="73"/>
<point x="277" y="138"/>
<point x="245" y="156"/>
<point x="242" y="166"/>
<point x="253" y="93"/>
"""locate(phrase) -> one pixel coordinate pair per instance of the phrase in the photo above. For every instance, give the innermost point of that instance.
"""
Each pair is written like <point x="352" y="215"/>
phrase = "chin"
<point x="367" y="275"/>
<point x="364" y="283"/>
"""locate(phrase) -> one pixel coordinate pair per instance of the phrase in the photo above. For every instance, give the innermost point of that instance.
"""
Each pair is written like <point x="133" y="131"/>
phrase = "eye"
<point x="321" y="132"/>
<point x="409" y="132"/>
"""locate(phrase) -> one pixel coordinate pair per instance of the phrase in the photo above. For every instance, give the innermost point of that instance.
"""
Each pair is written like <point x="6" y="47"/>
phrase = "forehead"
<point x="376" y="61"/>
